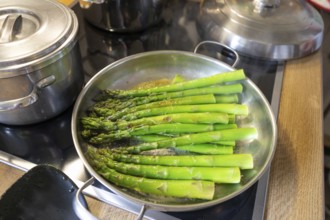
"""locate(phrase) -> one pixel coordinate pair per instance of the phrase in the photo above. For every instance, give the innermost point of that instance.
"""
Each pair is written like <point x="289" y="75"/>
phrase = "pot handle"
<point x="93" y="1"/>
<point x="223" y="47"/>
<point x="83" y="213"/>
<point x="29" y="99"/>
<point x="86" y="4"/>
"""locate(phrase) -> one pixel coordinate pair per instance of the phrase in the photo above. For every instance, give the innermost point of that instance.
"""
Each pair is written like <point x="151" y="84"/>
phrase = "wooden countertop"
<point x="296" y="187"/>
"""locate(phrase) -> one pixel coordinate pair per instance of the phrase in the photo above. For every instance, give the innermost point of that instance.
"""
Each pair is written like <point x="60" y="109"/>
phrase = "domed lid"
<point x="270" y="29"/>
<point x="30" y="29"/>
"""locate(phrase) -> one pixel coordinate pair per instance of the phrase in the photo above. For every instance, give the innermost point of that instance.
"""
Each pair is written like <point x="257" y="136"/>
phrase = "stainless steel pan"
<point x="132" y="70"/>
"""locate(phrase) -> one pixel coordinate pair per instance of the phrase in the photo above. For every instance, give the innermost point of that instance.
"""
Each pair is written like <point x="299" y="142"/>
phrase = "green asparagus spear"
<point x="207" y="149"/>
<point x="114" y="114"/>
<point x="233" y="98"/>
<point x="158" y="137"/>
<point x="195" y="189"/>
<point x="235" y="109"/>
<point x="175" y="128"/>
<point x="192" y="118"/>
<point x="177" y="78"/>
<point x="219" y="147"/>
<point x="225" y="142"/>
<point x="215" y="174"/>
<point x="198" y="138"/>
<point x="152" y="137"/>
<point x="121" y="103"/>
<point x="168" y="129"/>
<point x="196" y="83"/>
<point x="243" y="161"/>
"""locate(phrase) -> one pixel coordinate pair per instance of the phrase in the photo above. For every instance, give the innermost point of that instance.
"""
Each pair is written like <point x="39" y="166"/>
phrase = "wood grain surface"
<point x="296" y="188"/>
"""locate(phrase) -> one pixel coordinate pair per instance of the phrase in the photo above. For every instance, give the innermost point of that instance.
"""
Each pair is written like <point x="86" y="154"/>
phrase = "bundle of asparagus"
<point x="195" y="121"/>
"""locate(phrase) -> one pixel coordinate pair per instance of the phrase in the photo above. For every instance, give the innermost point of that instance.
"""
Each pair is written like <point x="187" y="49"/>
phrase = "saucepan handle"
<point x="85" y="4"/>
<point x="30" y="98"/>
<point x="93" y="1"/>
<point x="222" y="47"/>
<point x="83" y="213"/>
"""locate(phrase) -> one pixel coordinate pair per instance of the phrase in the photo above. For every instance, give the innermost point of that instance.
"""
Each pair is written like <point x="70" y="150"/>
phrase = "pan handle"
<point x="225" y="50"/>
<point x="80" y="210"/>
<point x="83" y="213"/>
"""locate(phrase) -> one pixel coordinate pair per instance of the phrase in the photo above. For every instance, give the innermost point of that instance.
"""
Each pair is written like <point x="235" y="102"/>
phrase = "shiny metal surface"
<point x="30" y="98"/>
<point x="222" y="47"/>
<point x="267" y="29"/>
<point x="262" y="4"/>
<point x="45" y="28"/>
<point x="78" y="207"/>
<point x="93" y="1"/>
<point x="44" y="76"/>
<point x="123" y="15"/>
<point x="11" y="25"/>
<point x="43" y="94"/>
<point x="138" y="68"/>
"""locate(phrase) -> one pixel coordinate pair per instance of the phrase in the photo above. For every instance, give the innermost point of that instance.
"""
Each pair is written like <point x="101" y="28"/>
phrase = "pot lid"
<point x="31" y="29"/>
<point x="270" y="29"/>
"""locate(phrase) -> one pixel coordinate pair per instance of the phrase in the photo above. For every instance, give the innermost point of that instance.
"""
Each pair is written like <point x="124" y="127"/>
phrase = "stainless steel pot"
<point x="134" y="69"/>
<point x="40" y="68"/>
<point x="265" y="29"/>
<point x="123" y="15"/>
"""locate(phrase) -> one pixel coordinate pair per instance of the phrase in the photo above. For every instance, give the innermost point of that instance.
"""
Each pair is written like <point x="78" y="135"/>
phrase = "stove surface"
<point x="50" y="142"/>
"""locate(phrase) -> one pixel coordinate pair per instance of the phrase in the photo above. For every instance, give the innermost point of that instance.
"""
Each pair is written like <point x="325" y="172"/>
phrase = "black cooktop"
<point x="50" y="142"/>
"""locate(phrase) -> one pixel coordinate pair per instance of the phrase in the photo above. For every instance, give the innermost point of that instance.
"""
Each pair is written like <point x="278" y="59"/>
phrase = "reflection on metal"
<point x="11" y="26"/>
<point x="261" y="5"/>
<point x="93" y="1"/>
<point x="222" y="47"/>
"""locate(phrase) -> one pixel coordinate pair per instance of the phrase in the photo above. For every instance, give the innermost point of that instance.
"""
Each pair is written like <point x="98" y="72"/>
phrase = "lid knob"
<point x="261" y="5"/>
<point x="11" y="26"/>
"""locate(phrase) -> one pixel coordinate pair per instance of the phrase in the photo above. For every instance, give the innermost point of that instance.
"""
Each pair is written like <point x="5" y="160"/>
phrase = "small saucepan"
<point x="40" y="68"/>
